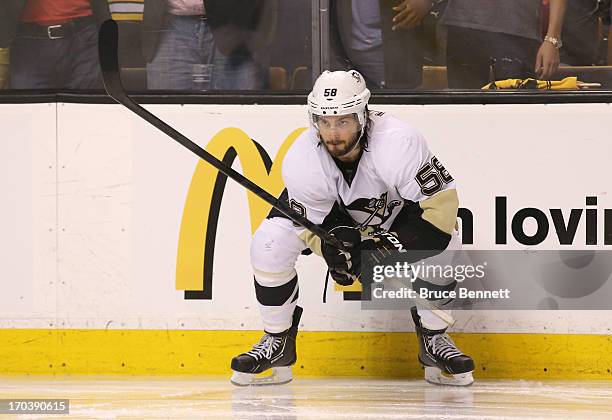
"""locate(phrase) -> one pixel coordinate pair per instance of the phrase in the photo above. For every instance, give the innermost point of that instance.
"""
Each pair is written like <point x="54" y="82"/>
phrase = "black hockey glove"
<point x="377" y="248"/>
<point x="380" y="245"/>
<point x="342" y="264"/>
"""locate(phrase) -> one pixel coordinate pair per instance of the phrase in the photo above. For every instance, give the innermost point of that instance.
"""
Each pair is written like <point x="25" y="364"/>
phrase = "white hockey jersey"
<point x="396" y="166"/>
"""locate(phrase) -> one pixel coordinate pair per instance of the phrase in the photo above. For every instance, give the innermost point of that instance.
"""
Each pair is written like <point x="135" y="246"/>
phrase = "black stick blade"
<point x="108" y="44"/>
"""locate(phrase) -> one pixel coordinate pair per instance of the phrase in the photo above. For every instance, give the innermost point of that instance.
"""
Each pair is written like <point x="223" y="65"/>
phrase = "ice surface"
<point x="350" y="398"/>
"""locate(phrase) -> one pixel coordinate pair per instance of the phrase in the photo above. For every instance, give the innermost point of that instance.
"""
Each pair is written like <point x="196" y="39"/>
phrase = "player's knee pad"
<point x="278" y="295"/>
<point x="274" y="251"/>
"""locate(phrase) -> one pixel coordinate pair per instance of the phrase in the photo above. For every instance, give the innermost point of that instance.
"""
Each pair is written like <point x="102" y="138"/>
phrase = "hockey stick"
<point x="108" y="44"/>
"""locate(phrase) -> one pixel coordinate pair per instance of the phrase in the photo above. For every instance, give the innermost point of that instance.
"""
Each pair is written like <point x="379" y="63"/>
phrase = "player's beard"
<point x="338" y="148"/>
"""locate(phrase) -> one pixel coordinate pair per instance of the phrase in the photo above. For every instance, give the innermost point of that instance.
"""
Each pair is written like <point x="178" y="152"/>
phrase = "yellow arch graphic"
<point x="194" y="224"/>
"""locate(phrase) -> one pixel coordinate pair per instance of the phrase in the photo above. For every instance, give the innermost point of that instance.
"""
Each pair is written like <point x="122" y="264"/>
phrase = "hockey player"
<point x="371" y="180"/>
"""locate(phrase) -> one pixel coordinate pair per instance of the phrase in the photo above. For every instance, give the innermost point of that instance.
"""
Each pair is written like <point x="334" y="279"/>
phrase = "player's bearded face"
<point x="338" y="133"/>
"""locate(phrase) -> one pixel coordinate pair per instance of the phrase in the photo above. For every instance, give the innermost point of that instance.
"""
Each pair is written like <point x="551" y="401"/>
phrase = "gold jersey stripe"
<point x="127" y="16"/>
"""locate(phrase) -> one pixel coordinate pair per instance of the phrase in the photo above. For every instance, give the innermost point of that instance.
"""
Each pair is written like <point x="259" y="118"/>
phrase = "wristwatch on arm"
<point x="557" y="43"/>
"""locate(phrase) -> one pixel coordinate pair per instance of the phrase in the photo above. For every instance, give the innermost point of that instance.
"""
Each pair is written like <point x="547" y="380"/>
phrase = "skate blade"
<point x="279" y="376"/>
<point x="435" y="376"/>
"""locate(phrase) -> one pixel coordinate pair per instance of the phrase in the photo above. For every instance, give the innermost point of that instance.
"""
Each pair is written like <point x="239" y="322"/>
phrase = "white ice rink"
<point x="216" y="398"/>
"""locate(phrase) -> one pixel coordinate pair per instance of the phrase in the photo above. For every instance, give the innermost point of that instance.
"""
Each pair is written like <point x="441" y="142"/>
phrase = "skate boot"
<point x="274" y="351"/>
<point x="443" y="362"/>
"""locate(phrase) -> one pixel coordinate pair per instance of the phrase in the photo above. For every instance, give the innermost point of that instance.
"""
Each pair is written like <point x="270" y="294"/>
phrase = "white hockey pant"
<point x="274" y="251"/>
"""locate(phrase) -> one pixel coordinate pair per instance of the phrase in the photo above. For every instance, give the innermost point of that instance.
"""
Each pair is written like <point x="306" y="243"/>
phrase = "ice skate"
<point x="443" y="362"/>
<point x="276" y="352"/>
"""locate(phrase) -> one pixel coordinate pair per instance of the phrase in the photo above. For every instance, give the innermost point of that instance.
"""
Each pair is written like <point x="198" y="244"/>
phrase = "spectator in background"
<point x="53" y="44"/>
<point x="291" y="49"/>
<point x="128" y="15"/>
<point x="384" y="40"/>
<point x="580" y="33"/>
<point x="503" y="35"/>
<point x="176" y="39"/>
<point x="243" y="30"/>
<point x="181" y="36"/>
<point x="4" y="68"/>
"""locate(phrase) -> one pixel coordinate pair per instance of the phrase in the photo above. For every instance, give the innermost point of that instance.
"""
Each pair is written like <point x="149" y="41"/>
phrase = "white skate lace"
<point x="443" y="346"/>
<point x="266" y="346"/>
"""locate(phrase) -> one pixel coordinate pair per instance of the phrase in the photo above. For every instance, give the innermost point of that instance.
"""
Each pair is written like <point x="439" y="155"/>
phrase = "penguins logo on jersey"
<point x="376" y="210"/>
